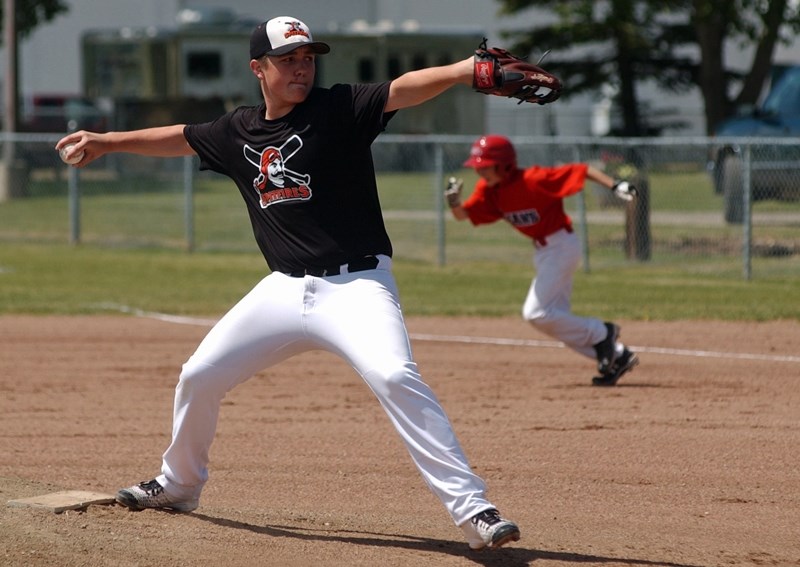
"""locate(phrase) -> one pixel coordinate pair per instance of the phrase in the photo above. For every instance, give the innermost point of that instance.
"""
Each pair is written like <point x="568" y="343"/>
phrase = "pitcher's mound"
<point x="58" y="502"/>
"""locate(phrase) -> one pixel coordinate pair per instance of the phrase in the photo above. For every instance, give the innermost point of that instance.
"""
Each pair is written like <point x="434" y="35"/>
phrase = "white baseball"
<point x="74" y="159"/>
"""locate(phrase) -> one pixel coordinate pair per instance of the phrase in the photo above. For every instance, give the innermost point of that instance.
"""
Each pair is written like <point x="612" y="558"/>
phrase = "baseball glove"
<point x="498" y="72"/>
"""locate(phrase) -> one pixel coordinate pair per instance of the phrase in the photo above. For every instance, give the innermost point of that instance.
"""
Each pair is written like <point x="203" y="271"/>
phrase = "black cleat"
<point x="626" y="361"/>
<point x="606" y="349"/>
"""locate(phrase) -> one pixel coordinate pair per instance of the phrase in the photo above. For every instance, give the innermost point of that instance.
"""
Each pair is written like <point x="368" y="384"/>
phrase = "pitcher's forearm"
<point x="164" y="141"/>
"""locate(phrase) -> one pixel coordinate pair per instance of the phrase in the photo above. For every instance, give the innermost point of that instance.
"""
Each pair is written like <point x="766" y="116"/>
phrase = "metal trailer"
<point x="196" y="71"/>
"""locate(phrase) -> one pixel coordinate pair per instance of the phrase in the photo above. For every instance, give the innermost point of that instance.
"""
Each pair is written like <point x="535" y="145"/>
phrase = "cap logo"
<point x="295" y="28"/>
<point x="283" y="35"/>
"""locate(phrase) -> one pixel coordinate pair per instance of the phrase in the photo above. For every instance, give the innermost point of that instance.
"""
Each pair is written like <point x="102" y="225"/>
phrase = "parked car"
<point x="775" y="168"/>
<point x="59" y="113"/>
<point x="55" y="114"/>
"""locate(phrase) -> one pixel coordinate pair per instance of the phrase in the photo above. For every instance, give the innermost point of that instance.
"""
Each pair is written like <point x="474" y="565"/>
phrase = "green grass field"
<point x="133" y="253"/>
<point x="63" y="279"/>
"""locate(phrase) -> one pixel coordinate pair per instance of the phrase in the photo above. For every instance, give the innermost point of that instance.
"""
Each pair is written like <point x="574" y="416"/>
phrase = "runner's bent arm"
<point x="459" y="212"/>
<point x="594" y="174"/>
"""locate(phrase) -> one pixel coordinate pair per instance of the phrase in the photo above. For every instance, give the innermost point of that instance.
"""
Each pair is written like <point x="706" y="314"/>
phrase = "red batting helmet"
<point x="492" y="150"/>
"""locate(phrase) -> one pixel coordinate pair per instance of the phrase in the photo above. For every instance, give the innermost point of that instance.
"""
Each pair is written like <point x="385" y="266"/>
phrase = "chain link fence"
<point x="705" y="205"/>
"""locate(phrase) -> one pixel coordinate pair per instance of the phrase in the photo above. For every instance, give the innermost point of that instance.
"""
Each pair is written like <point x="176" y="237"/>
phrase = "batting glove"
<point x="453" y="192"/>
<point x="624" y="190"/>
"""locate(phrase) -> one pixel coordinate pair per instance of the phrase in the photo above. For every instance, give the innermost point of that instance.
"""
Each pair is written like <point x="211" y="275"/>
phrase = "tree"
<point x="31" y="13"/>
<point x="625" y="42"/>
<point x="756" y="24"/>
<point x="28" y="14"/>
<point x="619" y="43"/>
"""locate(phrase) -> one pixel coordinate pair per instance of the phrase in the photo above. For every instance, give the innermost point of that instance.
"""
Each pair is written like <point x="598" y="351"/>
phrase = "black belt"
<point x="367" y="263"/>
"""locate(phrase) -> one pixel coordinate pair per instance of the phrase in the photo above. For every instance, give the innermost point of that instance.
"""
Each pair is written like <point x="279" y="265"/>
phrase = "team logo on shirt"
<point x="275" y="183"/>
<point x="523" y="218"/>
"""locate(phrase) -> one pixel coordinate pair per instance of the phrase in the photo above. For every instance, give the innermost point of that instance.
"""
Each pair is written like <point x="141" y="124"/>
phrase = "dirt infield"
<point x="692" y="461"/>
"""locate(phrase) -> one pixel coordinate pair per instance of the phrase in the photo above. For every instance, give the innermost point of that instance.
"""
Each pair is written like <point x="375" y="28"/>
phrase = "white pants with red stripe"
<point x="548" y="305"/>
<point x="355" y="316"/>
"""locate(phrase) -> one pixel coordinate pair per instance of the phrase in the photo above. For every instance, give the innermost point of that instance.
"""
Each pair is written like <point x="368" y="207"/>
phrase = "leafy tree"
<point x="756" y="24"/>
<point x="31" y="13"/>
<point x="626" y="42"/>
<point x="619" y="43"/>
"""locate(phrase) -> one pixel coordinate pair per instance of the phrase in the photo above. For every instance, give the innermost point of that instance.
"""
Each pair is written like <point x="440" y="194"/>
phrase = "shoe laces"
<point x="487" y="517"/>
<point x="151" y="487"/>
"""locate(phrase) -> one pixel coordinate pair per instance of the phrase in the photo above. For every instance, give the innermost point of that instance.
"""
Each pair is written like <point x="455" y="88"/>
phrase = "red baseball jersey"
<point x="531" y="200"/>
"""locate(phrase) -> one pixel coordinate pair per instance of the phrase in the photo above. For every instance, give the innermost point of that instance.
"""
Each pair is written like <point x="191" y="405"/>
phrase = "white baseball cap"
<point x="281" y="35"/>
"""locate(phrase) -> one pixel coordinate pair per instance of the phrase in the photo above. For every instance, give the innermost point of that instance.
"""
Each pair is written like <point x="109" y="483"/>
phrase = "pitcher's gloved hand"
<point x="498" y="72"/>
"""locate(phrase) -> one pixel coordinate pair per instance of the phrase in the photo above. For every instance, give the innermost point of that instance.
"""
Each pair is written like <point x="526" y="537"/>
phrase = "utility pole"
<point x="10" y="90"/>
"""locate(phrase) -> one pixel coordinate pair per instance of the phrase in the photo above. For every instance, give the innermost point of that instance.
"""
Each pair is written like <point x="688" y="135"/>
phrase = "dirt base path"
<point x="692" y="460"/>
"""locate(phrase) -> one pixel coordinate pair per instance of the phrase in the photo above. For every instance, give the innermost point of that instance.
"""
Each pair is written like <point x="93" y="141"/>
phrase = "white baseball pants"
<point x="356" y="316"/>
<point x="548" y="305"/>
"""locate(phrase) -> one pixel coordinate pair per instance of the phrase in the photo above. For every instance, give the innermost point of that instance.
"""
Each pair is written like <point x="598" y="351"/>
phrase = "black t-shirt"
<point x="307" y="178"/>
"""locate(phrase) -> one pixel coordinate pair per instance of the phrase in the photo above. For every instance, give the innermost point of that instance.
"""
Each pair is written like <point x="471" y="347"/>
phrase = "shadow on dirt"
<point x="505" y="557"/>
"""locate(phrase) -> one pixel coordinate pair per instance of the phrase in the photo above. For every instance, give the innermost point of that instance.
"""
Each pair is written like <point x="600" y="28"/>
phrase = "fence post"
<point x="637" y="212"/>
<point x="747" y="224"/>
<point x="188" y="201"/>
<point x="74" y="196"/>
<point x="14" y="173"/>
<point x="582" y="221"/>
<point x="438" y="183"/>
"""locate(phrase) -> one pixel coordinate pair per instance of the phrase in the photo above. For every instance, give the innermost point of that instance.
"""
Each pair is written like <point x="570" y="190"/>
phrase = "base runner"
<point x="532" y="201"/>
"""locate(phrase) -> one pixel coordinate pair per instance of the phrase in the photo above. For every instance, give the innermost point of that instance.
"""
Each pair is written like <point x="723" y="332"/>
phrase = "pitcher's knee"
<point x="392" y="379"/>
<point x="535" y="316"/>
<point x="543" y="321"/>
<point x="201" y="379"/>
